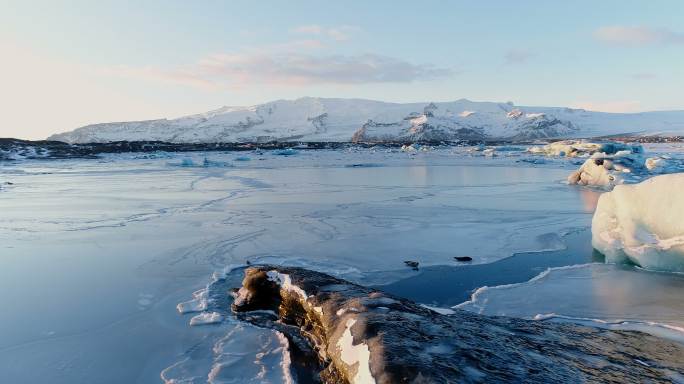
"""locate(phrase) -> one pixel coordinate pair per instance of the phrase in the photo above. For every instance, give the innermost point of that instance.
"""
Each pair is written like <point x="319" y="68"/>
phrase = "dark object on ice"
<point x="9" y="183"/>
<point x="248" y="262"/>
<point x="463" y="258"/>
<point x="360" y="334"/>
<point x="411" y="263"/>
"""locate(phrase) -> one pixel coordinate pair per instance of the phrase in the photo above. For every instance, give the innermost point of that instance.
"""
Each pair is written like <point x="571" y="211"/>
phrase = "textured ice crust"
<point x="643" y="224"/>
<point x="244" y="354"/>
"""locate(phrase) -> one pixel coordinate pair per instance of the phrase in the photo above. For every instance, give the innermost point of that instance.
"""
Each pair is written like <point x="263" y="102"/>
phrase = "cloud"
<point x="238" y="70"/>
<point x="340" y="33"/>
<point x="625" y="106"/>
<point x="517" y="56"/>
<point x="622" y="35"/>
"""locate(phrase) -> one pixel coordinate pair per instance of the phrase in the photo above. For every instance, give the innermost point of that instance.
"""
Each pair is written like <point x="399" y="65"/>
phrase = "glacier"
<point x="314" y="119"/>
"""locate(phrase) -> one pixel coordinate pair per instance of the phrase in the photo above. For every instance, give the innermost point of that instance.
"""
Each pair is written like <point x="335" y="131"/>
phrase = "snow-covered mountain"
<point x="323" y="119"/>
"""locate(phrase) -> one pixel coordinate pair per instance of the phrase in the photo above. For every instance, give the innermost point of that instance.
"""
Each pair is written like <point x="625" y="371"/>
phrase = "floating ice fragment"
<point x="197" y="304"/>
<point x="285" y="152"/>
<point x="206" y="318"/>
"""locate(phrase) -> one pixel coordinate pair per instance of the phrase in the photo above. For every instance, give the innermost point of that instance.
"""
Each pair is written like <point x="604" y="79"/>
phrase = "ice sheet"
<point x="606" y="295"/>
<point x="106" y="249"/>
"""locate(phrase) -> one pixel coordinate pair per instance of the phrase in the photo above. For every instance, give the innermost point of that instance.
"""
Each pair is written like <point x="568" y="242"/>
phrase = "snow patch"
<point x="285" y="283"/>
<point x="355" y="354"/>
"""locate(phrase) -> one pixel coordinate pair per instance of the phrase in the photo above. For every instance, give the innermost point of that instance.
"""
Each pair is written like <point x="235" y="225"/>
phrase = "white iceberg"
<point x="643" y="223"/>
<point x="605" y="170"/>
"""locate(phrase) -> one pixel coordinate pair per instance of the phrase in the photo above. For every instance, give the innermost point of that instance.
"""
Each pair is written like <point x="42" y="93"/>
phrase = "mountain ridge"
<point x="316" y="119"/>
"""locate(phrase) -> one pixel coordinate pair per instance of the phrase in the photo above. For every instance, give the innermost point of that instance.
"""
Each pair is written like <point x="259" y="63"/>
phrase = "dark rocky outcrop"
<point x="364" y="335"/>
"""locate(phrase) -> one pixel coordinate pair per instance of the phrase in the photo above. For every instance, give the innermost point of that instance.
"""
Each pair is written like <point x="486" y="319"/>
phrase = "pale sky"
<point x="65" y="64"/>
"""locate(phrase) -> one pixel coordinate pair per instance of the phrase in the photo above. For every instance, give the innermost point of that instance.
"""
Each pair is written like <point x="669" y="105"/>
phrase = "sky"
<point x="65" y="64"/>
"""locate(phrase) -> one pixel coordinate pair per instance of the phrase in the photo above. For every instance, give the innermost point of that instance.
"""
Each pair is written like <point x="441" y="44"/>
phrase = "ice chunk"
<point x="206" y="318"/>
<point x="285" y="152"/>
<point x="604" y="170"/>
<point x="596" y="172"/>
<point x="489" y="152"/>
<point x="197" y="304"/>
<point x="643" y="223"/>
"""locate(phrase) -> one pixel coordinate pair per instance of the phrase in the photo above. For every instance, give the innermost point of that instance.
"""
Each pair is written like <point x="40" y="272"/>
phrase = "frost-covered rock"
<point x="361" y="335"/>
<point x="643" y="223"/>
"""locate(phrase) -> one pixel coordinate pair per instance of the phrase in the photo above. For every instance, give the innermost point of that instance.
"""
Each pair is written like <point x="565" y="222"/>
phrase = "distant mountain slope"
<point x="322" y="119"/>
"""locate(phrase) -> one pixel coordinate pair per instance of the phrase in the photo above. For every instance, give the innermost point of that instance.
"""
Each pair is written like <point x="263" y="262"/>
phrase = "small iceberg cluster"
<point x="414" y="148"/>
<point x="582" y="148"/>
<point x="643" y="224"/>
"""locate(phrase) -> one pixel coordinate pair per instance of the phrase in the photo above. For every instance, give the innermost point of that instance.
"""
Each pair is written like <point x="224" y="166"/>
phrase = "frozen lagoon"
<point x="97" y="253"/>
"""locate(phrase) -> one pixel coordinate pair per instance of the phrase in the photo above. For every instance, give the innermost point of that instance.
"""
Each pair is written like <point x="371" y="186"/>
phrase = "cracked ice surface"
<point x="82" y="241"/>
<point x="604" y="295"/>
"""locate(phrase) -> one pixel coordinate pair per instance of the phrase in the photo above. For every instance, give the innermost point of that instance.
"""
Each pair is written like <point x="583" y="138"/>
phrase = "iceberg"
<point x="608" y="170"/>
<point x="642" y="224"/>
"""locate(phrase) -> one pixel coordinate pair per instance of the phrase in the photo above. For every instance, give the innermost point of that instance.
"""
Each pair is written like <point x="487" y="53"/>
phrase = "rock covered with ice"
<point x="362" y="335"/>
<point x="643" y="223"/>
